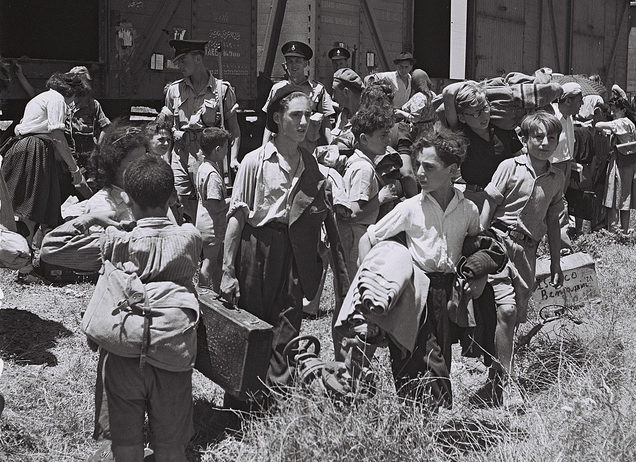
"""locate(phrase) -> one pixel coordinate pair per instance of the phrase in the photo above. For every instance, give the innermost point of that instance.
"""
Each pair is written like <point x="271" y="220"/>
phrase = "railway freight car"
<point x="454" y="39"/>
<point x="124" y="44"/>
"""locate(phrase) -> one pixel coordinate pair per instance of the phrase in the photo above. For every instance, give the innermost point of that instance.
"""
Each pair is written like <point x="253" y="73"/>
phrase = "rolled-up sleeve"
<point x="56" y="113"/>
<point x="498" y="186"/>
<point x="361" y="184"/>
<point x="394" y="222"/>
<point x="244" y="189"/>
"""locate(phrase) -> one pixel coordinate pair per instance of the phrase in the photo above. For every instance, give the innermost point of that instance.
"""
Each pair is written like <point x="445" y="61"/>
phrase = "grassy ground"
<point x="580" y="383"/>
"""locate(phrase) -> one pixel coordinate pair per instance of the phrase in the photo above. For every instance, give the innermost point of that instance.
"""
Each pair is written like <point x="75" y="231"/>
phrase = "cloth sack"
<point x="14" y="249"/>
<point x="155" y="322"/>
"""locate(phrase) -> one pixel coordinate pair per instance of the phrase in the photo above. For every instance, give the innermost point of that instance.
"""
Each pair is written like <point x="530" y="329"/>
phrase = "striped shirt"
<point x="156" y="250"/>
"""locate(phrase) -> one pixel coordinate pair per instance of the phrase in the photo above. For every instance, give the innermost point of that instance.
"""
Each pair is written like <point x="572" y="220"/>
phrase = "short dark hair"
<point x="369" y="119"/>
<point x="530" y="123"/>
<point x="450" y="145"/>
<point x="212" y="137"/>
<point x="152" y="128"/>
<point x="149" y="182"/>
<point x="68" y="84"/>
<point x="120" y="138"/>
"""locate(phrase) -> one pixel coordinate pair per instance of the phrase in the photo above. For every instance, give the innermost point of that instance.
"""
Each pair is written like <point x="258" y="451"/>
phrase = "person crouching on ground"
<point x="157" y="251"/>
<point x="213" y="204"/>
<point x="523" y="202"/>
<point x="279" y="203"/>
<point x="435" y="222"/>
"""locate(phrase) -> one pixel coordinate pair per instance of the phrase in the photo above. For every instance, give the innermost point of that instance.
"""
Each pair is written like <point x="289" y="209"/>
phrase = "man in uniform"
<point x="192" y="104"/>
<point x="339" y="57"/>
<point x="400" y="79"/>
<point x="297" y="56"/>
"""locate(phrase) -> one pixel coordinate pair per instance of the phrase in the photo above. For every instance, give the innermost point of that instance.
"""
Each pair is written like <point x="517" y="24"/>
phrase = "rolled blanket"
<point x="483" y="254"/>
<point x="389" y="292"/>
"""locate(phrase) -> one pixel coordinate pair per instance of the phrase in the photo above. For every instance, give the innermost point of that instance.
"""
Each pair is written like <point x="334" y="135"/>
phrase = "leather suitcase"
<point x="233" y="346"/>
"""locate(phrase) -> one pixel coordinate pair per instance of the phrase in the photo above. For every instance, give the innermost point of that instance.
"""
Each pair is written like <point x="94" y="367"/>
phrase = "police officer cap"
<point x="300" y="49"/>
<point x="274" y="104"/>
<point x="339" y="53"/>
<point x="404" y="56"/>
<point x="181" y="47"/>
<point x="348" y="77"/>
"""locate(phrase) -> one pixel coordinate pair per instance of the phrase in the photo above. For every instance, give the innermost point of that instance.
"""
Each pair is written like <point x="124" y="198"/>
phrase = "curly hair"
<point x="119" y="140"/>
<point x="369" y="119"/>
<point x="149" y="182"/>
<point x="68" y="85"/>
<point x="377" y="93"/>
<point x="450" y="145"/>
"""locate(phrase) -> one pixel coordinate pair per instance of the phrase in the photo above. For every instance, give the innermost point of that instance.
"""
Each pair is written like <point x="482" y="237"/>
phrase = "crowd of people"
<point x="428" y="207"/>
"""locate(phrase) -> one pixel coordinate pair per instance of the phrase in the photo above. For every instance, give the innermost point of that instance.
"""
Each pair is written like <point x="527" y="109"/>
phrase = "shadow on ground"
<point x="26" y="338"/>
<point x="212" y="424"/>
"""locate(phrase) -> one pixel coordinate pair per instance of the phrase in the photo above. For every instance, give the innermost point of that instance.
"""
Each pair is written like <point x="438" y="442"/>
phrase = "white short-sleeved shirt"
<point x="433" y="236"/>
<point x="565" y="149"/>
<point x="624" y="130"/>
<point x="361" y="184"/>
<point x="43" y="114"/>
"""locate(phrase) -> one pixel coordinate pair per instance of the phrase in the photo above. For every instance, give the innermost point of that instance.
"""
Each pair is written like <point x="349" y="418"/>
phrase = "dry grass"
<point x="580" y="384"/>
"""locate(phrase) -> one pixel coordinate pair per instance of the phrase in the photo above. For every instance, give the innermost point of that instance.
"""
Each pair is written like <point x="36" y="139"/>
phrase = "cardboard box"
<point x="580" y="282"/>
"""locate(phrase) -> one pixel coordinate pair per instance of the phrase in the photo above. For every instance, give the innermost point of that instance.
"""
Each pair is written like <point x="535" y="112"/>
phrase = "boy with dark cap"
<point x="347" y="89"/>
<point x="192" y="104"/>
<point x="400" y="79"/>
<point x="297" y="56"/>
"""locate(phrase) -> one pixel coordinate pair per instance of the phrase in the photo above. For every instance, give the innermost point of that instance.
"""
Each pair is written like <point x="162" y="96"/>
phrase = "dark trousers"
<point x="270" y="289"/>
<point x="424" y="374"/>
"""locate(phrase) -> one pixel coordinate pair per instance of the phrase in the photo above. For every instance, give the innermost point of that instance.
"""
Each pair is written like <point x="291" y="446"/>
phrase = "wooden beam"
<point x="272" y="36"/>
<point x="375" y="33"/>
<point x="555" y="37"/>
<point x="614" y="45"/>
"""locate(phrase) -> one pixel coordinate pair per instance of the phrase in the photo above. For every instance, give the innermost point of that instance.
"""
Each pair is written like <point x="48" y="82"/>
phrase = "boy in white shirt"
<point x="435" y="222"/>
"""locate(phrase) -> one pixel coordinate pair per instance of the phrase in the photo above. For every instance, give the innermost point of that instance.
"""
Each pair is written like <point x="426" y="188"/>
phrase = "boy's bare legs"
<point x="504" y="391"/>
<point x="504" y="336"/>
<point x="211" y="267"/>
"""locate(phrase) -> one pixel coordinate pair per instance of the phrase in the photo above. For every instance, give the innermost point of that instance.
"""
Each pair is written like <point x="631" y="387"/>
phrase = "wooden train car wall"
<point x="124" y="43"/>
<point x="139" y="58"/>
<point x="382" y="27"/>
<point x="569" y="36"/>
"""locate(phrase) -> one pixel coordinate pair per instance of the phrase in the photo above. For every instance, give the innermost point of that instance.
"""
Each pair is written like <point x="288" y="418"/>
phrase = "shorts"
<point x="165" y="395"/>
<point x="515" y="284"/>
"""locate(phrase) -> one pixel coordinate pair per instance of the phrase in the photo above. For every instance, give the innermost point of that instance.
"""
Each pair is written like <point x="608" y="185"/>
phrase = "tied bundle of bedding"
<point x="512" y="97"/>
<point x="383" y="299"/>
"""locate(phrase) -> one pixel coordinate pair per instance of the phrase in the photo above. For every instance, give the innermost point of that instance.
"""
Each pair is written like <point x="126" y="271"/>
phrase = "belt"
<point x="513" y="233"/>
<point x="474" y="188"/>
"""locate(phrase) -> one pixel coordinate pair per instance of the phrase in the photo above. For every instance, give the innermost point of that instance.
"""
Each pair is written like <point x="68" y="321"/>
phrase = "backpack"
<point x="155" y="321"/>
